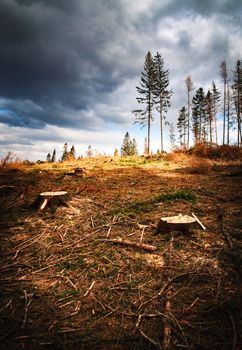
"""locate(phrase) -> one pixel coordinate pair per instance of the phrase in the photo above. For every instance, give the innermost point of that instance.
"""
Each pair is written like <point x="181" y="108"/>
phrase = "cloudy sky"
<point x="69" y="69"/>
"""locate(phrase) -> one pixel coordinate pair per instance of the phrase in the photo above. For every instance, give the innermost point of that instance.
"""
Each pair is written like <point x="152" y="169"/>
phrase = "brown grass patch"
<point x="65" y="285"/>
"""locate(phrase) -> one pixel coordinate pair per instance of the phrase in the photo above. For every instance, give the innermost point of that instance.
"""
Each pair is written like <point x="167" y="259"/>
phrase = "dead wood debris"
<point x="60" y="281"/>
<point x="148" y="247"/>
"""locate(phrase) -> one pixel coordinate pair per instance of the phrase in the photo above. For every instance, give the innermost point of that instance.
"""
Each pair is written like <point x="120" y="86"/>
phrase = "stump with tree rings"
<point x="52" y="200"/>
<point x="183" y="223"/>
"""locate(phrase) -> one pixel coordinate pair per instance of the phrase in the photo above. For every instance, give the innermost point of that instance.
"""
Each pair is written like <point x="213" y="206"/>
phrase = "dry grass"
<point x="11" y="161"/>
<point x="223" y="152"/>
<point x="65" y="285"/>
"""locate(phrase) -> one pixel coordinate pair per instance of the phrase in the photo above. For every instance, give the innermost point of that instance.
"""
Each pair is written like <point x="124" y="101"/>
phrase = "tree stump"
<point x="183" y="223"/>
<point x="52" y="200"/>
<point x="80" y="172"/>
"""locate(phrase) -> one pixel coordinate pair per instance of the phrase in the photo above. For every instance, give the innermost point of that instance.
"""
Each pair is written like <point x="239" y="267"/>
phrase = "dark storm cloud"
<point x="60" y="59"/>
<point x="202" y="7"/>
<point x="53" y="54"/>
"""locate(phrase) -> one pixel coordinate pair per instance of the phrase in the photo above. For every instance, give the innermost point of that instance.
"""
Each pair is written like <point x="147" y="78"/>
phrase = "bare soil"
<point x="65" y="285"/>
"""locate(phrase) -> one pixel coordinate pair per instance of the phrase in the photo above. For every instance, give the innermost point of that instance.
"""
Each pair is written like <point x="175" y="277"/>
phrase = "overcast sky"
<point x="69" y="68"/>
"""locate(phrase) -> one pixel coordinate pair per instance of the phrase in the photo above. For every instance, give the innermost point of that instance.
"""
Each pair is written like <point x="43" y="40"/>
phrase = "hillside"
<point x="65" y="284"/>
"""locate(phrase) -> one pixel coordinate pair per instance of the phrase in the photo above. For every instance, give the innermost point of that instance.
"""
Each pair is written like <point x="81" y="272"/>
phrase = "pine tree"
<point x="215" y="103"/>
<point x="199" y="116"/>
<point x="189" y="86"/>
<point x="209" y="115"/>
<point x="115" y="152"/>
<point x="182" y="126"/>
<point x="65" y="152"/>
<point x="125" y="148"/>
<point x="134" y="148"/>
<point x="223" y="72"/>
<point x="48" y="158"/>
<point x="172" y="136"/>
<point x="161" y="92"/>
<point x="72" y="153"/>
<point x="53" y="158"/>
<point x="129" y="147"/>
<point x="89" y="152"/>
<point x="145" y="90"/>
<point x="229" y="122"/>
<point x="237" y="90"/>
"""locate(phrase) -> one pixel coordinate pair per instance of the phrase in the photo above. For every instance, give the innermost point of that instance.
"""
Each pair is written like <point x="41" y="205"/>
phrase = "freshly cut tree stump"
<point x="183" y="223"/>
<point x="52" y="199"/>
<point x="80" y="172"/>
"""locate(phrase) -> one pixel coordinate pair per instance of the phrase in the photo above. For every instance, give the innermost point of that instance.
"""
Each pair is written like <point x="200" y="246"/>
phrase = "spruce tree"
<point x="199" y="116"/>
<point x="125" y="145"/>
<point x="48" y="158"/>
<point x="209" y="114"/>
<point x="53" y="157"/>
<point x="223" y="72"/>
<point x="134" y="148"/>
<point x="145" y="90"/>
<point x="72" y="153"/>
<point x="161" y="92"/>
<point x="89" y="152"/>
<point x="182" y="126"/>
<point x="237" y="90"/>
<point x="189" y="86"/>
<point x="129" y="147"/>
<point x="65" y="152"/>
<point x="215" y="106"/>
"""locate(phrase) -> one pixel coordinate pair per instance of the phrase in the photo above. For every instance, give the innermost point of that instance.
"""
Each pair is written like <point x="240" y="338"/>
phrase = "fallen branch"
<point x="165" y="287"/>
<point x="27" y="304"/>
<point x="154" y="343"/>
<point x="166" y="343"/>
<point x="148" y="247"/>
<point x="89" y="289"/>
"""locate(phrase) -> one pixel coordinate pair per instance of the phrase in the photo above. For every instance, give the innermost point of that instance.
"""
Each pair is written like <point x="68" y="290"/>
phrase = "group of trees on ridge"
<point x="199" y="116"/>
<point x="67" y="155"/>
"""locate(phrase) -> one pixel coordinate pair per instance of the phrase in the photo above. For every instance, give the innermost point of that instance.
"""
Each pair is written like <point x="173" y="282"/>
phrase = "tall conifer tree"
<point x="215" y="106"/>
<point x="53" y="157"/>
<point x="237" y="88"/>
<point x="161" y="92"/>
<point x="199" y="116"/>
<point x="145" y="90"/>
<point x="182" y="125"/>
<point x="189" y="86"/>
<point x="65" y="152"/>
<point x="223" y="72"/>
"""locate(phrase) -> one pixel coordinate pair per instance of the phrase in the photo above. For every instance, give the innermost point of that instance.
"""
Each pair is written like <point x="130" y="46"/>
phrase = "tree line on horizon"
<point x="68" y="155"/>
<point x="198" y="118"/>
<point x="199" y="115"/>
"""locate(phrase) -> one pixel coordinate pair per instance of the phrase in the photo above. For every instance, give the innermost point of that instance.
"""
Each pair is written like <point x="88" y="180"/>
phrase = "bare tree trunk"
<point x="161" y="125"/>
<point x="210" y="129"/>
<point x="224" y="111"/>
<point x="189" y="89"/>
<point x="238" y="117"/>
<point x="228" y="113"/>
<point x="149" y="120"/>
<point x="188" y="118"/>
<point x="216" y="129"/>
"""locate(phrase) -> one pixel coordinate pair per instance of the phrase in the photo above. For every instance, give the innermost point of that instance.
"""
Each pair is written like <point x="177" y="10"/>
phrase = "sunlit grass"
<point x="139" y="207"/>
